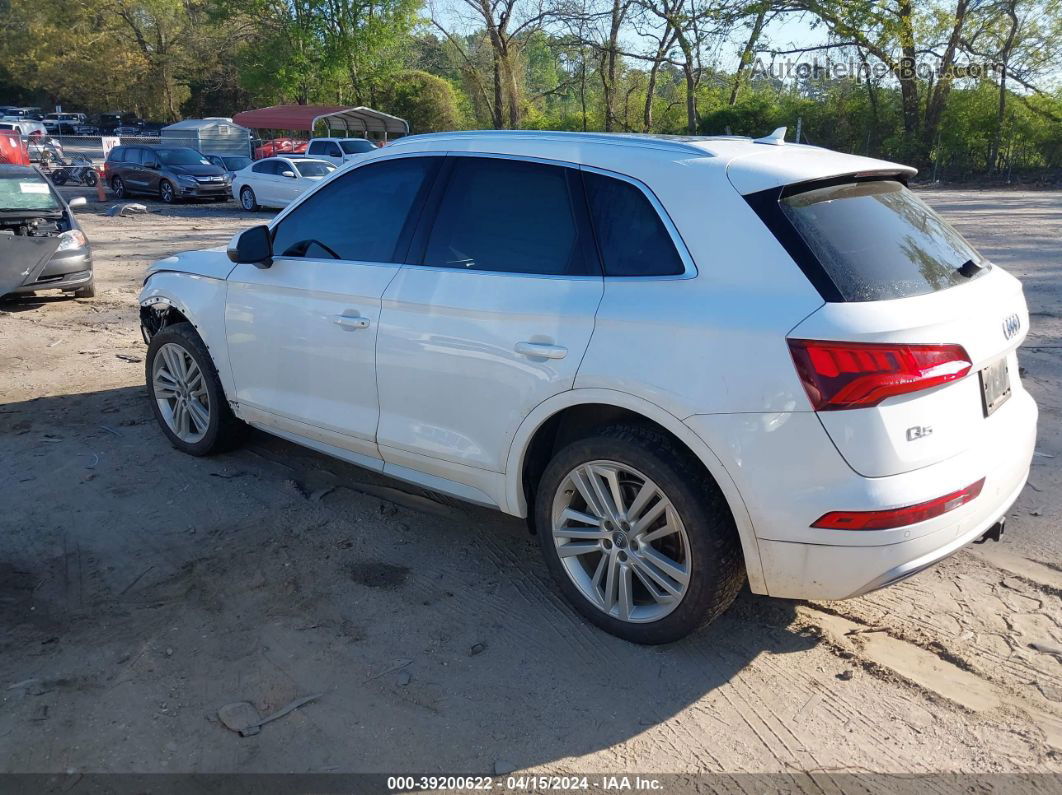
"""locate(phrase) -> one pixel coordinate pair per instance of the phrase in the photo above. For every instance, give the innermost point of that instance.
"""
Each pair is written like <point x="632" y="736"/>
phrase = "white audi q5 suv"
<point x="690" y="363"/>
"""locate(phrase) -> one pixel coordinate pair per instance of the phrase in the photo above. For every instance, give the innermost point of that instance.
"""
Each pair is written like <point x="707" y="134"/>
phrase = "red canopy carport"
<point x="334" y="117"/>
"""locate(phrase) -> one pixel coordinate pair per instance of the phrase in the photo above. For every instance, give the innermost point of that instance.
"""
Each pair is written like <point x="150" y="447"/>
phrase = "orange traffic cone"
<point x="101" y="194"/>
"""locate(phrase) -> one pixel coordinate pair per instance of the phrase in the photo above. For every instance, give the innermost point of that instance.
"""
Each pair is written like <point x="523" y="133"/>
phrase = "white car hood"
<point x="212" y="263"/>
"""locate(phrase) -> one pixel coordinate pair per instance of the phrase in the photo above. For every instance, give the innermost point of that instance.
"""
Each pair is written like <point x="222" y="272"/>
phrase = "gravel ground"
<point x="140" y="590"/>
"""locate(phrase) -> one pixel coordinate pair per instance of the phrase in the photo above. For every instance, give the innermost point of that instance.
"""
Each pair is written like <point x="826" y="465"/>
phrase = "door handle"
<point x="351" y="322"/>
<point x="541" y="350"/>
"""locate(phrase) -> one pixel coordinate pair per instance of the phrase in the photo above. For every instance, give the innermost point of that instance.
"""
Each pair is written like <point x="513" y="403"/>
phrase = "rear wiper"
<point x="969" y="269"/>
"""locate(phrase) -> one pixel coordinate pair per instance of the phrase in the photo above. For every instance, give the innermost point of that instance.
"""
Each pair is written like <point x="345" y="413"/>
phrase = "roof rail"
<point x="674" y="143"/>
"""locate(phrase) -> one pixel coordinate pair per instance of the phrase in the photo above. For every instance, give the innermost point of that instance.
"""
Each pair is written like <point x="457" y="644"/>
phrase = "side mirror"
<point x="77" y="201"/>
<point x="289" y="174"/>
<point x="253" y="246"/>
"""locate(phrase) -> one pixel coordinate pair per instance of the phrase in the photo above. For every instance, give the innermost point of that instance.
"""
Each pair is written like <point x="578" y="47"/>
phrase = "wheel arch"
<point x="173" y="297"/>
<point x="557" y="417"/>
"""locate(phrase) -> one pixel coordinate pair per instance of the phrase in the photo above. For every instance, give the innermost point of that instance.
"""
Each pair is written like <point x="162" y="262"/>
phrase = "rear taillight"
<point x="849" y="375"/>
<point x="898" y="517"/>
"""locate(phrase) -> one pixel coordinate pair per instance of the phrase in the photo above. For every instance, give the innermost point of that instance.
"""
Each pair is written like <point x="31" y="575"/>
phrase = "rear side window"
<point x="360" y="216"/>
<point x="265" y="167"/>
<point x="507" y="216"/>
<point x="876" y="240"/>
<point x="631" y="237"/>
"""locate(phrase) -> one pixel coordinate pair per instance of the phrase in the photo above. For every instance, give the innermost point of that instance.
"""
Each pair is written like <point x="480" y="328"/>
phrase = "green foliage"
<point x="427" y="102"/>
<point x="165" y="58"/>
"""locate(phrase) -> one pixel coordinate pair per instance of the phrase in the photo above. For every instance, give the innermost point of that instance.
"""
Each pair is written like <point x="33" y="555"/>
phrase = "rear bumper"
<point x="789" y="475"/>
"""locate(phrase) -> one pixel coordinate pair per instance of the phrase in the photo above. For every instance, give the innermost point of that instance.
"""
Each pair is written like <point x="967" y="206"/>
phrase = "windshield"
<point x="26" y="192"/>
<point x="356" y="146"/>
<point x="236" y="163"/>
<point x="876" y="240"/>
<point x="314" y="168"/>
<point x="181" y="157"/>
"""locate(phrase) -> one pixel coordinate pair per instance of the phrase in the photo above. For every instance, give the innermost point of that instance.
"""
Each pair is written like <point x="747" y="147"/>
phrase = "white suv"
<point x="688" y="362"/>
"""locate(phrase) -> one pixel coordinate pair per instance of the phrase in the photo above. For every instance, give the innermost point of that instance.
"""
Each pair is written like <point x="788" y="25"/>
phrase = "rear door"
<point x="493" y="319"/>
<point x="133" y="171"/>
<point x="264" y="181"/>
<point x="896" y="274"/>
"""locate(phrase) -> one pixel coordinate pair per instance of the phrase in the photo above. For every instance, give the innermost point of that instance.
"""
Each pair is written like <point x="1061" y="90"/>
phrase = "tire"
<point x="705" y="548"/>
<point x="221" y="430"/>
<point x="248" y="200"/>
<point x="118" y="187"/>
<point x="88" y="291"/>
<point x="59" y="177"/>
<point x="91" y="177"/>
<point x="167" y="194"/>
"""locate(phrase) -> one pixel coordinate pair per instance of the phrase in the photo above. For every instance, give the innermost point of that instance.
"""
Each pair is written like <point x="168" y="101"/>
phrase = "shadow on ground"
<point x="142" y="589"/>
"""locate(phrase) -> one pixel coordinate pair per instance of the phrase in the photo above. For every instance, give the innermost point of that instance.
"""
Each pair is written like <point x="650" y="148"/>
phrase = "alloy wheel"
<point x="621" y="541"/>
<point x="247" y="199"/>
<point x="181" y="393"/>
<point x="166" y="192"/>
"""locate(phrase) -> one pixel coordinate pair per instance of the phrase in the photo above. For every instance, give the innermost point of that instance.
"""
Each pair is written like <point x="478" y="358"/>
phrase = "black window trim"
<point x="419" y="243"/>
<point x="688" y="264"/>
<point x="400" y="256"/>
<point x="766" y="205"/>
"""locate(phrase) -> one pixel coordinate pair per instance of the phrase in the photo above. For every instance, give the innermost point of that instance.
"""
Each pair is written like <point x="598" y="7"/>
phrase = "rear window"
<point x="356" y="146"/>
<point x="876" y="240"/>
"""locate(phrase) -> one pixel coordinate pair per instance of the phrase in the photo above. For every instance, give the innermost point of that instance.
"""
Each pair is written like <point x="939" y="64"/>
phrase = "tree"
<point x="427" y="102"/>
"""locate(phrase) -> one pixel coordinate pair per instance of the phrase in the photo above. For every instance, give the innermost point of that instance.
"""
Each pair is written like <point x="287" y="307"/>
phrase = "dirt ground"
<point x="141" y="590"/>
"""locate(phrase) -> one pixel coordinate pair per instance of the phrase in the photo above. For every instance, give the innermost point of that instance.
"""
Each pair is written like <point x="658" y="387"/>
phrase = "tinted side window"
<point x="359" y="216"/>
<point x="265" y="167"/>
<point x="630" y="235"/>
<point x="137" y="156"/>
<point x="333" y="150"/>
<point x="316" y="148"/>
<point x="117" y="155"/>
<point x="509" y="216"/>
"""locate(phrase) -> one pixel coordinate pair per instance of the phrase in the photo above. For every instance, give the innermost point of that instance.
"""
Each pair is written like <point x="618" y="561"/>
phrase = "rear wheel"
<point x="187" y="397"/>
<point x="118" y="187"/>
<point x="637" y="534"/>
<point x="247" y="199"/>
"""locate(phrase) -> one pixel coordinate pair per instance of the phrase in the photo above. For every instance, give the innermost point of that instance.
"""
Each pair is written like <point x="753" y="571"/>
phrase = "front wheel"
<point x="91" y="177"/>
<point x="186" y="395"/>
<point x="637" y="534"/>
<point x="166" y="192"/>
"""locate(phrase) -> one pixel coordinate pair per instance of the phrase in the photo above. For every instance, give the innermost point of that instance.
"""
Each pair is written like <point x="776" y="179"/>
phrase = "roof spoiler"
<point x="776" y="138"/>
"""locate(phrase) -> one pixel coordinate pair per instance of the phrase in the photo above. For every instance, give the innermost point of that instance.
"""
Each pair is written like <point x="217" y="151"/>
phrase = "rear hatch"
<point x="911" y="360"/>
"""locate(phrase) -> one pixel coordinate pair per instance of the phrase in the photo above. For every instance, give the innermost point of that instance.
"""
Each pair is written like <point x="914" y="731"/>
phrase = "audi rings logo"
<point x="1011" y="325"/>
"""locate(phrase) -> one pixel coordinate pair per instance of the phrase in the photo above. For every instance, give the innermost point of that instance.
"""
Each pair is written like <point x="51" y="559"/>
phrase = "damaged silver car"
<point x="42" y="246"/>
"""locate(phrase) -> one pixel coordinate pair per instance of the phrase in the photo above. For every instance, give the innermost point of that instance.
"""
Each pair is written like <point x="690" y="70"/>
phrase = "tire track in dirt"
<point x="933" y="674"/>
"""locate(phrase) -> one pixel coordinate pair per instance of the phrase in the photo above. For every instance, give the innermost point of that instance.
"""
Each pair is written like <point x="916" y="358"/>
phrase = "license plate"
<point x="995" y="386"/>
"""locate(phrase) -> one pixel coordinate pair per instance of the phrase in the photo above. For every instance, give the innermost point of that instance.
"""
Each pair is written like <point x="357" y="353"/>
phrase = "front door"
<point x="302" y="333"/>
<point x="494" y="321"/>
